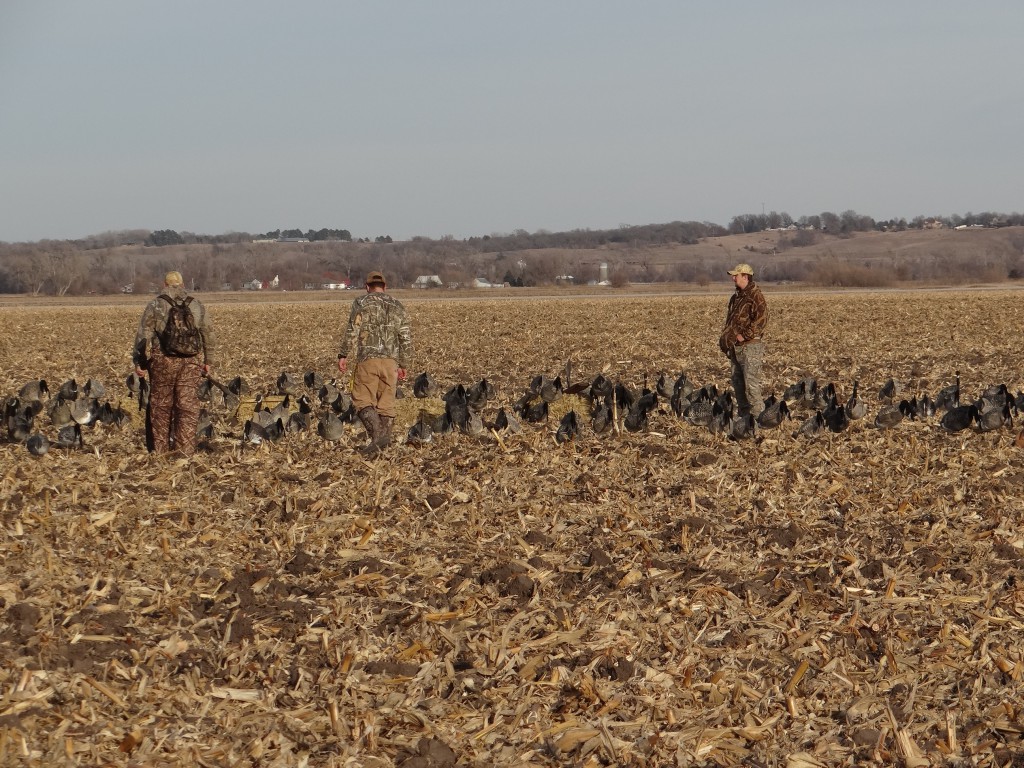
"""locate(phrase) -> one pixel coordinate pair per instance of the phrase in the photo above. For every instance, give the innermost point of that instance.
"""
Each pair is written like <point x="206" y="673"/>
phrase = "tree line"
<point x="114" y="261"/>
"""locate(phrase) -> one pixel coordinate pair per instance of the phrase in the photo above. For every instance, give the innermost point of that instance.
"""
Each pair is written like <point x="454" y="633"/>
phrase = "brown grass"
<point x="651" y="599"/>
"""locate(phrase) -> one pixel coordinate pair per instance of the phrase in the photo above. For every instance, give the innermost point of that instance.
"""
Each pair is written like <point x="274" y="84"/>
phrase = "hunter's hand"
<point x="342" y="364"/>
<point x="401" y="374"/>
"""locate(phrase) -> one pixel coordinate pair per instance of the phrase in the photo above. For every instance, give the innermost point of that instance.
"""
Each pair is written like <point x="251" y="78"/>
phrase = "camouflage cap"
<point x="375" y="277"/>
<point x="742" y="269"/>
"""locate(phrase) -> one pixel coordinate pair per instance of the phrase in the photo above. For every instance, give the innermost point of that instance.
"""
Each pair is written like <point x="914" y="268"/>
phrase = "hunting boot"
<point x="384" y="439"/>
<point x="371" y="421"/>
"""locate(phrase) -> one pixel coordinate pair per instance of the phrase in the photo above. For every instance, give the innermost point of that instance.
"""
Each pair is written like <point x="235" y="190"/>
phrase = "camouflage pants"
<point x="374" y="384"/>
<point x="746" y="377"/>
<point x="173" y="404"/>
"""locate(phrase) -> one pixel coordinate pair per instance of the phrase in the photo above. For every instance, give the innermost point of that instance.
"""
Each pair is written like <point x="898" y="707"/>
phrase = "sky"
<point x="465" y="118"/>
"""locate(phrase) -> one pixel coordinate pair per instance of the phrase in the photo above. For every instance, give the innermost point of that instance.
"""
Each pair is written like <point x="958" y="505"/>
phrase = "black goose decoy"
<point x="70" y="435"/>
<point x="773" y="415"/>
<point x="663" y="387"/>
<point x="113" y="416"/>
<point x="550" y="391"/>
<point x="909" y="408"/>
<point x="144" y="388"/>
<point x="94" y="388"/>
<point x="637" y="416"/>
<point x="568" y="428"/>
<point x="343" y="406"/>
<point x="34" y="390"/>
<point x="794" y="393"/>
<point x="959" y="418"/>
<point x="722" y="412"/>
<point x="256" y="432"/>
<point x="312" y="380"/>
<point x="204" y="427"/>
<point x="423" y="385"/>
<point x="813" y="425"/>
<point x="287" y="384"/>
<point x="537" y="412"/>
<point x="949" y="397"/>
<point x="205" y="390"/>
<point x="925" y="407"/>
<point x="601" y="387"/>
<point x="506" y="421"/>
<point x="994" y="397"/>
<point x="824" y="396"/>
<point x="38" y="444"/>
<point x="18" y="419"/>
<point x="624" y="397"/>
<point x="328" y="392"/>
<point x="856" y="408"/>
<point x="835" y="415"/>
<point x="699" y="413"/>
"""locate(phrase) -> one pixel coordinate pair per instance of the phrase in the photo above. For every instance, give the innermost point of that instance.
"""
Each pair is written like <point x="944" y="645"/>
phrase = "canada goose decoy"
<point x="312" y="380"/>
<point x="33" y="390"/>
<point x="994" y="418"/>
<point x="663" y="387"/>
<point x="70" y="435"/>
<point x="813" y="425"/>
<point x="18" y="420"/>
<point x="506" y="421"/>
<point x="298" y="421"/>
<point x="344" y="408"/>
<point x="255" y="432"/>
<point x="287" y="384"/>
<point x="636" y="417"/>
<point x="457" y="407"/>
<point x="742" y="427"/>
<point x="889" y="416"/>
<point x="809" y="392"/>
<point x="888" y="390"/>
<point x="478" y="394"/>
<point x="568" y="428"/>
<point x="722" y="412"/>
<point x="994" y="397"/>
<point x="537" y="412"/>
<point x="38" y="444"/>
<point x="699" y="413"/>
<point x="85" y="411"/>
<point x="60" y="412"/>
<point x="423" y="385"/>
<point x="132" y="381"/>
<point x="204" y="427"/>
<point x="602" y="387"/>
<point x="550" y="391"/>
<point x="420" y="433"/>
<point x="835" y="415"/>
<point x="239" y="386"/>
<point x="959" y="418"/>
<point x="909" y="408"/>
<point x="94" y="389"/>
<point x="68" y="390"/>
<point x="856" y="408"/>
<point x="624" y="397"/>
<point x="205" y="390"/>
<point x="330" y="427"/>
<point x="949" y="397"/>
<point x="824" y="396"/>
<point x="794" y="393"/>
<point x="283" y="409"/>
<point x="773" y="415"/>
<point x="925" y="407"/>
<point x="110" y="415"/>
<point x="328" y="392"/>
<point x="601" y="418"/>
<point x="144" y="394"/>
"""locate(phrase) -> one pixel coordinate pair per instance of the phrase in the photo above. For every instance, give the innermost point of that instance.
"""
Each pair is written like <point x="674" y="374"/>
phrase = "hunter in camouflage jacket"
<point x="378" y="327"/>
<point x="154" y="318"/>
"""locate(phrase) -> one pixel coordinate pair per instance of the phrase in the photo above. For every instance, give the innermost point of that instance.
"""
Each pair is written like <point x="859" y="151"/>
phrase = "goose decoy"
<point x="312" y="380"/>
<point x="699" y="413"/>
<point x="423" y="385"/>
<point x="283" y="409"/>
<point x="506" y="421"/>
<point x="256" y="432"/>
<point x="60" y="412"/>
<point x="742" y="427"/>
<point x="94" y="389"/>
<point x="85" y="411"/>
<point x="722" y="412"/>
<point x="909" y="408"/>
<point x="330" y="427"/>
<point x="33" y="390"/>
<point x="602" y="387"/>
<point x="328" y="392"/>
<point x="478" y="394"/>
<point x="663" y="387"/>
<point x="144" y="394"/>
<point x="456" y="406"/>
<point x="835" y="415"/>
<point x="888" y="390"/>
<point x="773" y="415"/>
<point x="794" y="393"/>
<point x="110" y="415"/>
<point x="959" y="418"/>
<point x="994" y="397"/>
<point x="809" y="393"/>
<point x="18" y="419"/>
<point x="205" y="389"/>
<point x="925" y="407"/>
<point x="636" y="417"/>
<point x="287" y="384"/>
<point x="995" y="418"/>
<point x="420" y="433"/>
<point x="132" y="381"/>
<point x="38" y="444"/>
<point x="889" y="416"/>
<point x="813" y="425"/>
<point x="550" y="391"/>
<point x="856" y="408"/>
<point x="475" y="423"/>
<point x="344" y="408"/>
<point x="949" y="397"/>
<point x="68" y="390"/>
<point x="239" y="386"/>
<point x="568" y="428"/>
<point x="601" y="418"/>
<point x="624" y="397"/>
<point x="683" y="385"/>
<point x="70" y="435"/>
<point x="537" y="412"/>
<point x="204" y="427"/>
<point x="824" y="396"/>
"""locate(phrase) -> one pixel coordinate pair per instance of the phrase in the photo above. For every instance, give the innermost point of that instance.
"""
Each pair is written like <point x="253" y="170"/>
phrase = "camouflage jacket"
<point x="154" y="318"/>
<point x="747" y="317"/>
<point x="378" y="327"/>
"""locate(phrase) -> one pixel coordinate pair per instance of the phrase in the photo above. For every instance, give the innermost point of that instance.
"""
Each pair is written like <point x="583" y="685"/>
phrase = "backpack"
<point x="180" y="337"/>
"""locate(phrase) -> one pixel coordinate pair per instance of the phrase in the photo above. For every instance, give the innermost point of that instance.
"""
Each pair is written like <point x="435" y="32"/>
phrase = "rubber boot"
<point x="371" y="421"/>
<point x="384" y="439"/>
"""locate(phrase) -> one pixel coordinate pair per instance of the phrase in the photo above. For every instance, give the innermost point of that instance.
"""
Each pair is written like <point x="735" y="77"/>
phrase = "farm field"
<point x="664" y="597"/>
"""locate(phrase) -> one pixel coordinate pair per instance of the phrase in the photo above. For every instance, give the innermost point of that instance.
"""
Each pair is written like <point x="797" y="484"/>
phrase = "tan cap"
<point x="173" y="278"/>
<point x="375" y="277"/>
<point x="742" y="269"/>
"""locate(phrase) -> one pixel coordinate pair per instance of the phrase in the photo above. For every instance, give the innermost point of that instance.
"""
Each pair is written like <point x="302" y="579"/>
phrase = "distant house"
<point x="335" y="286"/>
<point x="427" y="281"/>
<point x="274" y="283"/>
<point x="253" y="285"/>
<point x="482" y="282"/>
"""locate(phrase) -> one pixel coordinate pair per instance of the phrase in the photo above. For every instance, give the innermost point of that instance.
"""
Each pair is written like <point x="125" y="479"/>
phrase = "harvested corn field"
<point x="659" y="597"/>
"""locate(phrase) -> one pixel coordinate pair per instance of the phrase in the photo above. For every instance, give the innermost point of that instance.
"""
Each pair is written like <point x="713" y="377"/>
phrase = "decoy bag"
<point x="180" y="337"/>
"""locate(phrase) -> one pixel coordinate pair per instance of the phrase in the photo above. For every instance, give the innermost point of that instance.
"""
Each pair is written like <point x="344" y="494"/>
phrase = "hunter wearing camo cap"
<point x="379" y="336"/>
<point x="742" y="339"/>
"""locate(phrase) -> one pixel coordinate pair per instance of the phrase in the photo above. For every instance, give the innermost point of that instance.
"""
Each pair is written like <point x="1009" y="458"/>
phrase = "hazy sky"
<point x="474" y="117"/>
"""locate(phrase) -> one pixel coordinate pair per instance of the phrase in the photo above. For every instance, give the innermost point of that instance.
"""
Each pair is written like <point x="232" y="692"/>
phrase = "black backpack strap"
<point x="166" y="298"/>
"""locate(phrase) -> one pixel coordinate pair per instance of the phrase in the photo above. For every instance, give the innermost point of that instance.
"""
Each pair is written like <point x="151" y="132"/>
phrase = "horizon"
<point x="467" y="121"/>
